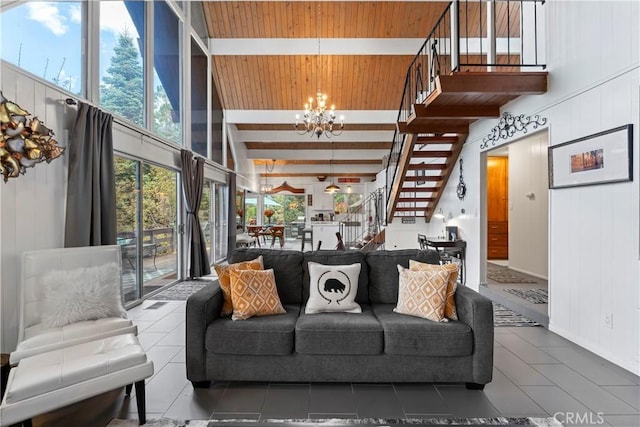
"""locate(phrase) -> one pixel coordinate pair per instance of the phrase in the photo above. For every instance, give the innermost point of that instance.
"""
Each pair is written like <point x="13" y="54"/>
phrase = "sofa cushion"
<point x="422" y="293"/>
<point x="338" y="258"/>
<point x="383" y="271"/>
<point x="450" y="303"/>
<point x="223" y="270"/>
<point x="254" y="293"/>
<point x="414" y="336"/>
<point x="287" y="267"/>
<point x="333" y="288"/>
<point x="270" y="335"/>
<point x="339" y="333"/>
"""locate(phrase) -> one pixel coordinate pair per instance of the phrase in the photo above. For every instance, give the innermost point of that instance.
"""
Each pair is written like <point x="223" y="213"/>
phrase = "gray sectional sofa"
<point x="377" y="345"/>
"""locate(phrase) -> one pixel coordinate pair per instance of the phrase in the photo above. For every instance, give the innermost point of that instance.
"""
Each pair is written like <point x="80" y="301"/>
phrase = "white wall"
<point x="32" y="206"/>
<point x="528" y="205"/>
<point x="593" y="58"/>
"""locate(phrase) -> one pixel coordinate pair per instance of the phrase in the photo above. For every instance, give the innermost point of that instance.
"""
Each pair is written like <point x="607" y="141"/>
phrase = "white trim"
<point x="347" y="46"/>
<point x="611" y="357"/>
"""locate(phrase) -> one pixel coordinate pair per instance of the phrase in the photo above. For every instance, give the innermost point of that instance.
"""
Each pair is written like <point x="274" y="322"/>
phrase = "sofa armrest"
<point x="203" y="307"/>
<point x="477" y="311"/>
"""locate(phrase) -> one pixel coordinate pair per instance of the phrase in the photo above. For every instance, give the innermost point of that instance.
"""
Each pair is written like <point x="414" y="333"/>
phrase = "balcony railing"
<point x="470" y="35"/>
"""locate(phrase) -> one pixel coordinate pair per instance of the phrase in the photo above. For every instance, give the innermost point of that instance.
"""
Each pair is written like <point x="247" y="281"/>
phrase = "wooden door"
<point x="497" y="207"/>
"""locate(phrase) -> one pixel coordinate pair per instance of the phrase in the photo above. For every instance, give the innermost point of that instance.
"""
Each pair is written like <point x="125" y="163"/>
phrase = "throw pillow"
<point x="225" y="280"/>
<point x="450" y="303"/>
<point x="422" y="293"/>
<point x="86" y="293"/>
<point x="254" y="293"/>
<point x="333" y="288"/>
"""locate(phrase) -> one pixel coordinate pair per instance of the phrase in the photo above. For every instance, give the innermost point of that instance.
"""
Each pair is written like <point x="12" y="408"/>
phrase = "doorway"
<point x="517" y="227"/>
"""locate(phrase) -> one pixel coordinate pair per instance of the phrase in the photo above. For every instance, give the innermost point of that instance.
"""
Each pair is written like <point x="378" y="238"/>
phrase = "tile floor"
<point x="495" y="291"/>
<point x="536" y="373"/>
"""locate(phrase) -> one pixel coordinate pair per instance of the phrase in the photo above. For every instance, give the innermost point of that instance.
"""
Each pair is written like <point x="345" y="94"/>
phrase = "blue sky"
<point x="45" y="38"/>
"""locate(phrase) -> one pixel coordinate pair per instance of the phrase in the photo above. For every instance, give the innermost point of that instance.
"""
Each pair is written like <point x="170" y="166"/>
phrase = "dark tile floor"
<point x="536" y="373"/>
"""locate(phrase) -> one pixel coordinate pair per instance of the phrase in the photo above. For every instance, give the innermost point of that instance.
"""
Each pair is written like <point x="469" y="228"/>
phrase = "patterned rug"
<point x="505" y="275"/>
<point x="181" y="291"/>
<point x="535" y="296"/>
<point x="377" y="422"/>
<point x="502" y="316"/>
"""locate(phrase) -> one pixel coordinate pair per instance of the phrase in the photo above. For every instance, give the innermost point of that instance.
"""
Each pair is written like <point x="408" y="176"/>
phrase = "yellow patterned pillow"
<point x="225" y="280"/>
<point x="254" y="293"/>
<point x="422" y="293"/>
<point x="450" y="311"/>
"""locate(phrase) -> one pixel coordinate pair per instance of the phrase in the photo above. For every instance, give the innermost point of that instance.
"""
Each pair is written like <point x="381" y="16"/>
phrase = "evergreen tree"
<point x="122" y="89"/>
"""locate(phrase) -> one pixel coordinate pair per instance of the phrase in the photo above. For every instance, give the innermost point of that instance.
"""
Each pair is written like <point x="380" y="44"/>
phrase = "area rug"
<point x="181" y="291"/>
<point x="535" y="296"/>
<point x="373" y="422"/>
<point x="506" y="275"/>
<point x="502" y="316"/>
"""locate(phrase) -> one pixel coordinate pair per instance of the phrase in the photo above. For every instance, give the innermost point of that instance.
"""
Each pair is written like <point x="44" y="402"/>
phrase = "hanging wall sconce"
<point x="24" y="140"/>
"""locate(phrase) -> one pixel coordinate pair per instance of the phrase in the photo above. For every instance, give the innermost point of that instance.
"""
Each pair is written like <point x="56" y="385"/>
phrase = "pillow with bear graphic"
<point x="333" y="288"/>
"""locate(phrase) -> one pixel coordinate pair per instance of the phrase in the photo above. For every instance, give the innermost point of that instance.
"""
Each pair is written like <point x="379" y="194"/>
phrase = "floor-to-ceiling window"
<point x="167" y="73"/>
<point x="121" y="59"/>
<point x="199" y="79"/>
<point x="45" y="38"/>
<point x="147" y="208"/>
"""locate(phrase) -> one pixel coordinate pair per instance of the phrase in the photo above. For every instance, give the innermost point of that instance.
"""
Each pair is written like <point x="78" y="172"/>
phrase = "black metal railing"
<point x="470" y="35"/>
<point x="365" y="221"/>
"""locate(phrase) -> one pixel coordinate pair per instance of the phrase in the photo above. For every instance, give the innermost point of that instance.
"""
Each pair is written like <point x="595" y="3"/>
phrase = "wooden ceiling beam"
<point x="351" y="145"/>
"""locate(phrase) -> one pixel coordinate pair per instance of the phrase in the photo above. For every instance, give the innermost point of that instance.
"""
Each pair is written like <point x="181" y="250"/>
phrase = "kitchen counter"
<point x="325" y="232"/>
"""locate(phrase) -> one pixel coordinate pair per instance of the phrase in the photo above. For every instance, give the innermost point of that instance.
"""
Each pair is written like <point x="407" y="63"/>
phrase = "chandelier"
<point x="318" y="120"/>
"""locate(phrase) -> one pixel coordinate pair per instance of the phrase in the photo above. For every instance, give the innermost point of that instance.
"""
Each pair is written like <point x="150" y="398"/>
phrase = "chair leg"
<point x="127" y="389"/>
<point x="140" y="402"/>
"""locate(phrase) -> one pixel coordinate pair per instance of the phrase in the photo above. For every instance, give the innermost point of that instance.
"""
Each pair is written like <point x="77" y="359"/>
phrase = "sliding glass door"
<point x="147" y="216"/>
<point x="221" y="215"/>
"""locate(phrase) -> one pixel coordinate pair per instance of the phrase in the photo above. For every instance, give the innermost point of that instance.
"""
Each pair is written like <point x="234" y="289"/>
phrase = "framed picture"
<point x="600" y="158"/>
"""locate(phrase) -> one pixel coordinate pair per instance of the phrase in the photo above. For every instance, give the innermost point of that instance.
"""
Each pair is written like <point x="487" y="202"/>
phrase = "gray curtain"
<point x="192" y="181"/>
<point x="91" y="191"/>
<point x="231" y="219"/>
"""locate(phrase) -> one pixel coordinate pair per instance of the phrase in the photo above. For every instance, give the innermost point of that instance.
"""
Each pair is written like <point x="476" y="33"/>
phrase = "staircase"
<point x="362" y="227"/>
<point x="451" y="83"/>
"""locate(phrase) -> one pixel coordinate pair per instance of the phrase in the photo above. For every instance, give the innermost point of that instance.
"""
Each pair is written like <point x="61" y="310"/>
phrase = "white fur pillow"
<point x="71" y="296"/>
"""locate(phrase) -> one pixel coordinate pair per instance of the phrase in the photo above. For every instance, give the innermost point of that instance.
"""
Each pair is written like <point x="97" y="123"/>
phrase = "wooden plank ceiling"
<point x="353" y="81"/>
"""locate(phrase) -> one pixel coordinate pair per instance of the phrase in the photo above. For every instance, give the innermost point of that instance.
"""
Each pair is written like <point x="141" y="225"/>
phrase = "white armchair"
<point x="36" y="336"/>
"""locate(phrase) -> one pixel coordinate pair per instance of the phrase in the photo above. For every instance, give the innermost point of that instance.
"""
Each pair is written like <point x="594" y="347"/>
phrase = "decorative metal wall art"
<point x="509" y="125"/>
<point x="461" y="190"/>
<point x="24" y="141"/>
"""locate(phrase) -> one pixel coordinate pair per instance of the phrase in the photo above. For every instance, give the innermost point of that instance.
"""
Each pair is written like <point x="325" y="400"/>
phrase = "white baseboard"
<point x="632" y="366"/>
<point x="539" y="276"/>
